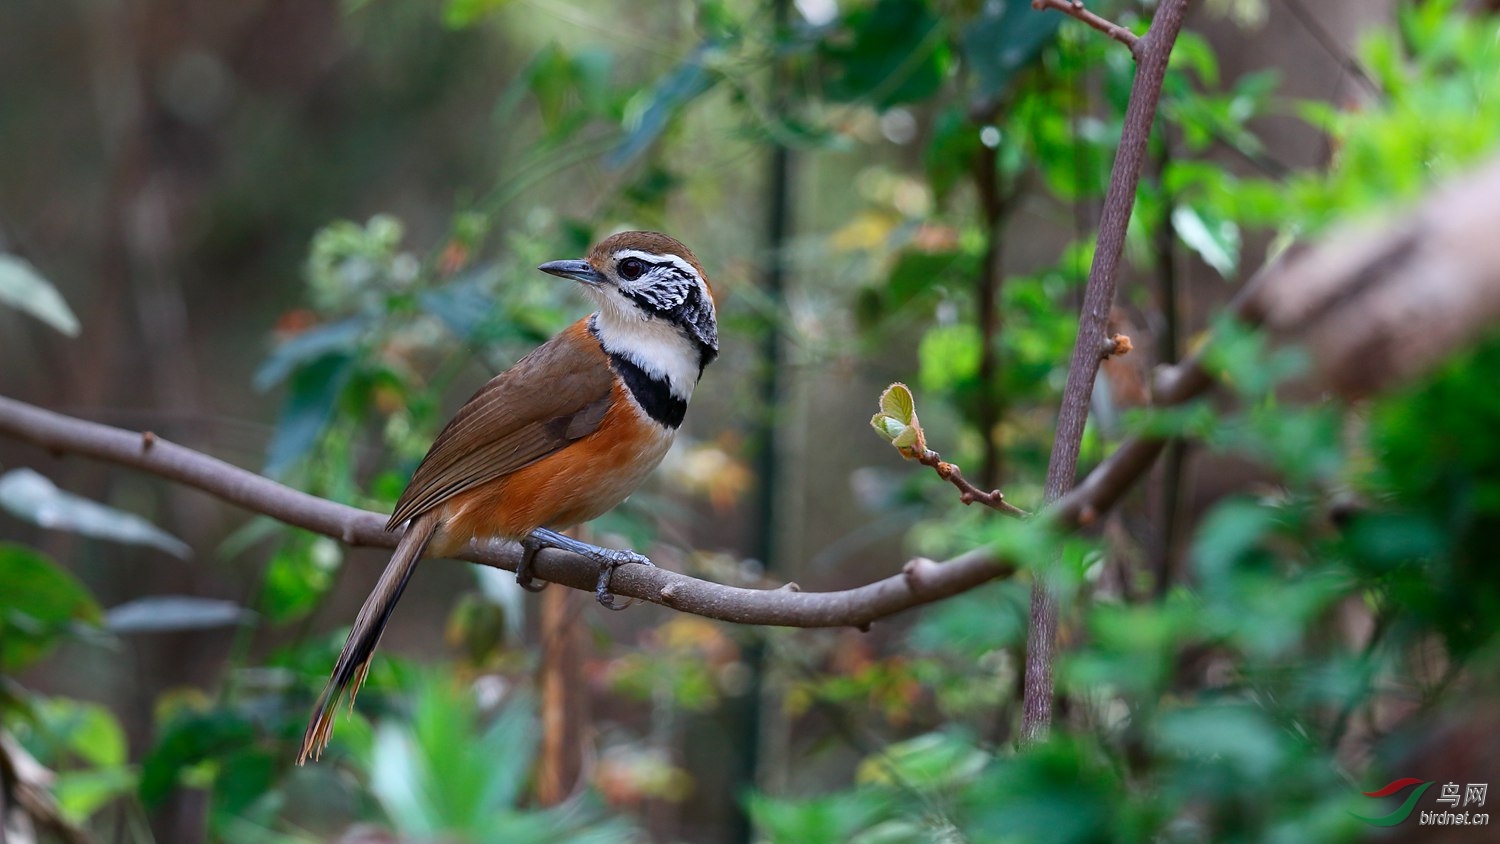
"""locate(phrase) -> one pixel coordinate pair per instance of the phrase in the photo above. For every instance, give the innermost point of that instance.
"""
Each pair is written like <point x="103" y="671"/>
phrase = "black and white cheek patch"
<point x="672" y="290"/>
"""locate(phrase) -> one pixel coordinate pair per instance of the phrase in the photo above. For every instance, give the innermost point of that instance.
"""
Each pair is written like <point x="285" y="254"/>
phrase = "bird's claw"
<point x="524" y="579"/>
<point x="609" y="560"/>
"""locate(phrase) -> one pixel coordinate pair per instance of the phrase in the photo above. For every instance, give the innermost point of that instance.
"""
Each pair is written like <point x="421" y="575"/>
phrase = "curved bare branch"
<point x="920" y="582"/>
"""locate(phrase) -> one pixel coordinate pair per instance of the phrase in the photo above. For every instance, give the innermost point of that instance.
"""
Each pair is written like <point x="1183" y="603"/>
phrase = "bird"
<point x="558" y="439"/>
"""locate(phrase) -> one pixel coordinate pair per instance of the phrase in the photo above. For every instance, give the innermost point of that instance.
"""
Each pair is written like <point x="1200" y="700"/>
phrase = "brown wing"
<point x="551" y="397"/>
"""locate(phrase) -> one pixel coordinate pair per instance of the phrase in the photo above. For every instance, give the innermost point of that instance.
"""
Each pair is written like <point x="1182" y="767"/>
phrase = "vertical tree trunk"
<point x="564" y="700"/>
<point x="991" y="275"/>
<point x="748" y="714"/>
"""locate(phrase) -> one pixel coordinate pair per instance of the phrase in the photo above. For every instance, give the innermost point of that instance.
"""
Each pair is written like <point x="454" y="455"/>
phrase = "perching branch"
<point x="921" y="581"/>
<point x="1374" y="307"/>
<point x="1151" y="54"/>
<point x="1074" y="8"/>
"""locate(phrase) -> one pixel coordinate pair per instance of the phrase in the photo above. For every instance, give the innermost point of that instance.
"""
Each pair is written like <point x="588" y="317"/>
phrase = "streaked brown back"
<point x="551" y="397"/>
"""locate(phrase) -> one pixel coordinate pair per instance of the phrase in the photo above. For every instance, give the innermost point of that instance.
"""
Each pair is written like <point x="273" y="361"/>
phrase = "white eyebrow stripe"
<point x="653" y="258"/>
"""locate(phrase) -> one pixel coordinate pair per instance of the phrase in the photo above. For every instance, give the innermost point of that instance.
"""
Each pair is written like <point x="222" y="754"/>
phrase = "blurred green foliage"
<point x="445" y="773"/>
<point x="41" y="603"/>
<point x="1212" y="711"/>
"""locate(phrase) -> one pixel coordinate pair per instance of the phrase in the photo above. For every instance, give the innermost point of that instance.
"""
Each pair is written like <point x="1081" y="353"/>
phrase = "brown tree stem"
<point x="1151" y="52"/>
<point x="562" y="761"/>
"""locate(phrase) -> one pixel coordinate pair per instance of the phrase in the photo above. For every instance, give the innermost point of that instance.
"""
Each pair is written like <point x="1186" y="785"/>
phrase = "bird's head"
<point x="650" y="290"/>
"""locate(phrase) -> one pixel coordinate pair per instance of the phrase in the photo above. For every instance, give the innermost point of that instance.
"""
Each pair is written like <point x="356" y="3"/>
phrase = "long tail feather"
<point x="354" y="661"/>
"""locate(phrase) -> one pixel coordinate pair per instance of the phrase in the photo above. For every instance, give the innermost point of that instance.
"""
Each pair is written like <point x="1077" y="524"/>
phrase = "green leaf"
<point x="342" y="336"/>
<point x="569" y="88"/>
<point x="38" y="603"/>
<point x="164" y="613"/>
<point x="886" y="426"/>
<point x="310" y="401"/>
<point x="930" y="761"/>
<point x="886" y="54"/>
<point x="186" y="740"/>
<point x="948" y="159"/>
<point x="1192" y="52"/>
<point x="1237" y="738"/>
<point x="82" y="793"/>
<point x="1006" y="37"/>
<point x="30" y="496"/>
<point x="22" y="287"/>
<point x="464" y="305"/>
<point x="948" y="357"/>
<point x="1232" y="530"/>
<point x="1216" y="241"/>
<point x="86" y="730"/>
<point x="898" y="403"/>
<point x="907" y="438"/>
<point x="675" y="90"/>
<point x="829" y="819"/>
<point x="443" y="771"/>
<point x="244" y="776"/>
<point x="974" y="623"/>
<point x="918" y="272"/>
<point x="462" y="14"/>
<point x="1054" y="791"/>
<point x="298" y="576"/>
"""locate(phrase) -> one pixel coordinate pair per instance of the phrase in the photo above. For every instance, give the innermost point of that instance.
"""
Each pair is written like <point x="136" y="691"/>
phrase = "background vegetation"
<point x="296" y="235"/>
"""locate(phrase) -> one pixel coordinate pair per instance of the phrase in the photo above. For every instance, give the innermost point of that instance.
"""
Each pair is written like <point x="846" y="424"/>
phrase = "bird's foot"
<point x="530" y="545"/>
<point x="608" y="560"/>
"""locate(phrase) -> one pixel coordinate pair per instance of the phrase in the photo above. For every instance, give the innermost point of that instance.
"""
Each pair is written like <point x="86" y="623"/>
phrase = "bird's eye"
<point x="632" y="269"/>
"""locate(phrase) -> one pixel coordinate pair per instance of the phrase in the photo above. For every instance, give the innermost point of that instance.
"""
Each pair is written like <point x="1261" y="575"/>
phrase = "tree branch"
<point x="920" y="582"/>
<point x="1151" y="53"/>
<point x="968" y="493"/>
<point x="1380" y="304"/>
<point x="1075" y="9"/>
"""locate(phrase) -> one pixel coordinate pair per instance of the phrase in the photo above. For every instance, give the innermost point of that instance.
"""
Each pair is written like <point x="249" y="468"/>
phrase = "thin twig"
<point x="968" y="493"/>
<point x="1075" y="8"/>
<point x="1151" y="52"/>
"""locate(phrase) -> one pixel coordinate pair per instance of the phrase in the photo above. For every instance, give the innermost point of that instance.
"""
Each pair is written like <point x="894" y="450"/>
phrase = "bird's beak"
<point x="577" y="270"/>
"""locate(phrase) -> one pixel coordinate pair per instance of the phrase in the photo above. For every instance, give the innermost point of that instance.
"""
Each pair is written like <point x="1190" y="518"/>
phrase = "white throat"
<point x="657" y="347"/>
